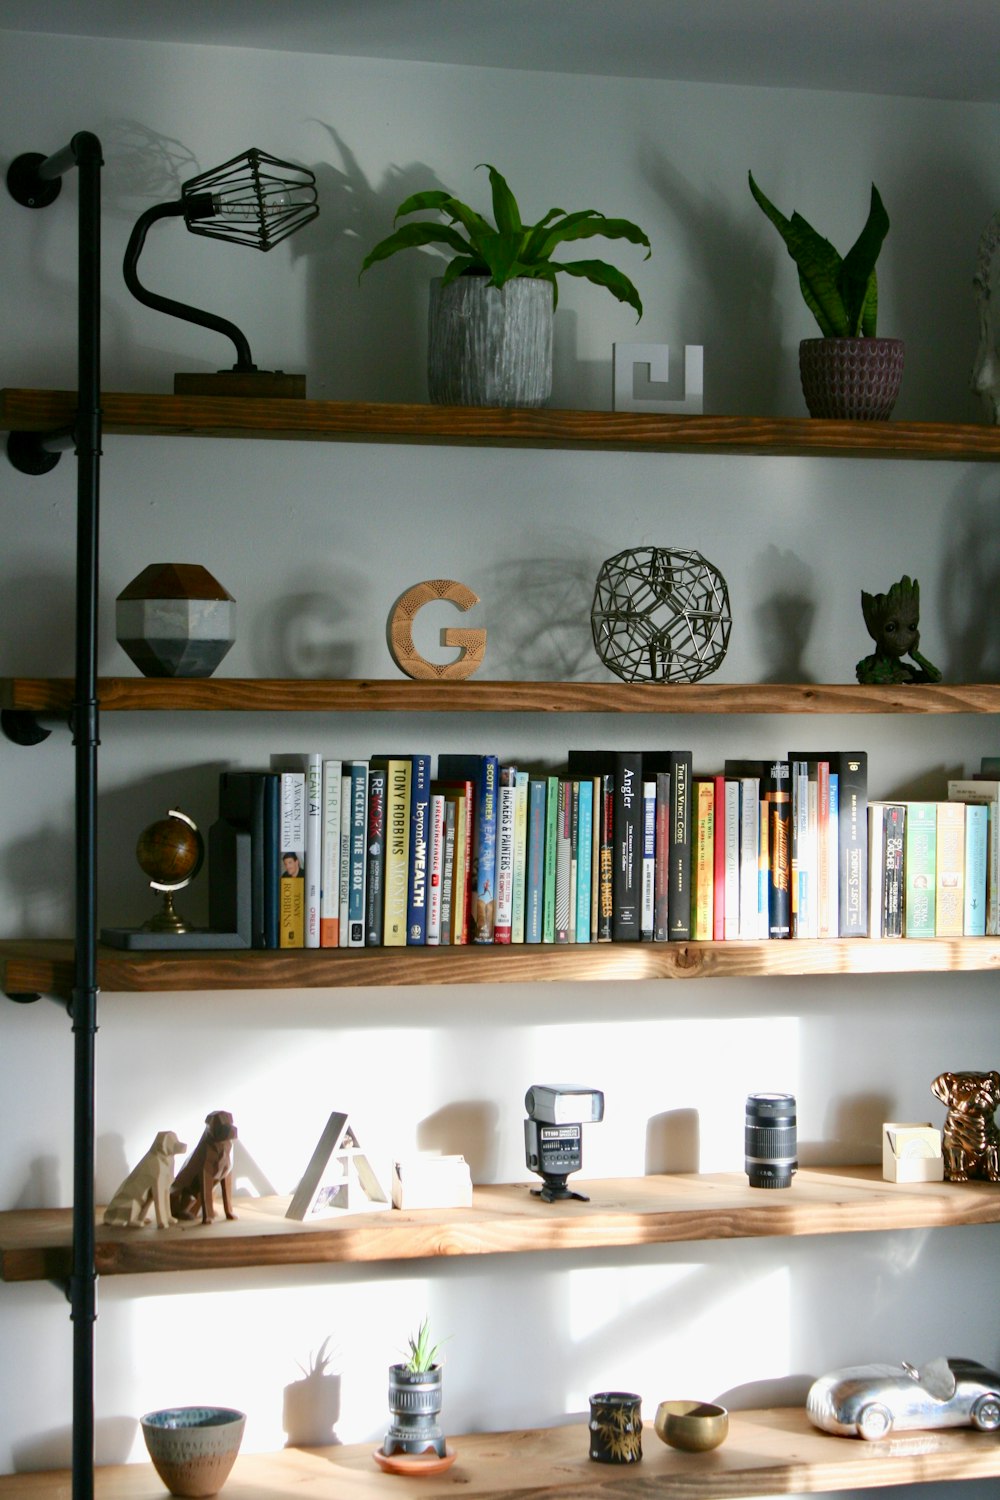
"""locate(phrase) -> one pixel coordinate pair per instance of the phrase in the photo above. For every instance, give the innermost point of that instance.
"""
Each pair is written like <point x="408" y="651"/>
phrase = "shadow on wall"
<point x="936" y="313"/>
<point x="728" y="301"/>
<point x="468" y="1128"/>
<point x="970" y="583"/>
<point x="369" y="341"/>
<point x="538" y="619"/>
<point x="673" y="1142"/>
<point x="307" y="633"/>
<point x="113" y="1440"/>
<point x="786" y="587"/>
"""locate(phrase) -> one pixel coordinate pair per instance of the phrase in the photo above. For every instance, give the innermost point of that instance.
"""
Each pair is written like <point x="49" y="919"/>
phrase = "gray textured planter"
<point x="489" y="345"/>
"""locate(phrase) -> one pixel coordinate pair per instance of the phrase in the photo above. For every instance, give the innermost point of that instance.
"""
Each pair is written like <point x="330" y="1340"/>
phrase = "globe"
<point x="170" y="851"/>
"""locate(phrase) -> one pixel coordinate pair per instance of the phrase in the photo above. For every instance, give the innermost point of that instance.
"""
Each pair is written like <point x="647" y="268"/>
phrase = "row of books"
<point x="935" y="866"/>
<point x="611" y="846"/>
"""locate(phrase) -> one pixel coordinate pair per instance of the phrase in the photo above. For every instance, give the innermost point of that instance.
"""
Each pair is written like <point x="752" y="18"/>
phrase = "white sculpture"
<point x="655" y="358"/>
<point x="986" y="370"/>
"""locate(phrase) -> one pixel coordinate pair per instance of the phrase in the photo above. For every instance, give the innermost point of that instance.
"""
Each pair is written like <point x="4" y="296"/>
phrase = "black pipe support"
<point x="35" y="183"/>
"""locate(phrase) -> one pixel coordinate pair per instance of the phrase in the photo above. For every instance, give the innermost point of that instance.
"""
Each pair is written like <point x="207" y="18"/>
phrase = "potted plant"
<point x="415" y="1400"/>
<point x="850" y="371"/>
<point x="490" y="326"/>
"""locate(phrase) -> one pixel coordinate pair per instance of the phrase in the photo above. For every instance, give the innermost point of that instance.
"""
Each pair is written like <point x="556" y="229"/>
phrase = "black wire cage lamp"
<point x="254" y="200"/>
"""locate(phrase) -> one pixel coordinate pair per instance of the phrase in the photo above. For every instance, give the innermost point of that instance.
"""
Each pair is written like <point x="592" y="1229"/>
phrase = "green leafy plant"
<point x="422" y="1353"/>
<point x="841" y="292"/>
<point x="511" y="248"/>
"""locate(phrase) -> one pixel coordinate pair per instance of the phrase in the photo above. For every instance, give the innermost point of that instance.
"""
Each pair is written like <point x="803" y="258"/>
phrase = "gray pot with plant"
<point x="415" y="1400"/>
<point x="490" y="320"/>
<point x="850" y="372"/>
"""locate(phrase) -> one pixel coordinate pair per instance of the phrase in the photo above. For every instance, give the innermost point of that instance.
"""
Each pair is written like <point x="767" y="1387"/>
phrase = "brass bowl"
<point x="695" y="1426"/>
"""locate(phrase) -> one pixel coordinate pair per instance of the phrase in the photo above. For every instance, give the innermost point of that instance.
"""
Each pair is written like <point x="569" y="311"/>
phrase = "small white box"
<point x="428" y="1181"/>
<point x="911" y="1153"/>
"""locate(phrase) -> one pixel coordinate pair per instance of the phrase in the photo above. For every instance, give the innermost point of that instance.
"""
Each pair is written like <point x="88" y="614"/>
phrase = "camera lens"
<point x="769" y="1142"/>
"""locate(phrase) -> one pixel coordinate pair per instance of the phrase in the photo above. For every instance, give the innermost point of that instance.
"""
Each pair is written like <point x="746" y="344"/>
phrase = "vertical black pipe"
<point x="85" y="151"/>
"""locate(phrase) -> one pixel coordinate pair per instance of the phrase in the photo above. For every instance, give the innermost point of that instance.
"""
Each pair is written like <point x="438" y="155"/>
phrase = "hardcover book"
<point x="851" y="769"/>
<point x="329" y="881"/>
<point x="534" y="886"/>
<point x="250" y="800"/>
<point x="564" y="842"/>
<point x="358" y="871"/>
<point x="661" y="860"/>
<point x="505" y="855"/>
<point x="460" y="797"/>
<point x="291" y="886"/>
<point x="551" y="840"/>
<point x="976" y="842"/>
<point x="448" y="871"/>
<point x="648" y="898"/>
<point x="677" y="765"/>
<point x="375" y="873"/>
<point x="625" y="766"/>
<point x="520" y="856"/>
<point x="731" y="862"/>
<point x="950" y="883"/>
<point x="398" y="772"/>
<point x="435" y="889"/>
<point x="418" y="869"/>
<point x="311" y="766"/>
<point x="918" y="869"/>
<point x="584" y="858"/>
<point x="986" y="791"/>
<point x="482" y="771"/>
<point x="776" y="802"/>
<point x="703" y="859"/>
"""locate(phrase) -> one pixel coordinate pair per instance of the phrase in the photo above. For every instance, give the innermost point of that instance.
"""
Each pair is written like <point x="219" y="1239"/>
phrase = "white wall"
<point x="316" y="542"/>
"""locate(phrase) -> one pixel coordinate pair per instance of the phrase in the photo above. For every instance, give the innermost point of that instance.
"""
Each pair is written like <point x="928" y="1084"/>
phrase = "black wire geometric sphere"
<point x="660" y="615"/>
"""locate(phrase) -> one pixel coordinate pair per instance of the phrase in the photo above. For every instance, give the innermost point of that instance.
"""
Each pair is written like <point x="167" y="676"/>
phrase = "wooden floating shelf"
<point x="506" y="1219"/>
<point x="372" y="422"/>
<point x="44" y="966"/>
<point x="766" y="1453"/>
<point x="54" y="696"/>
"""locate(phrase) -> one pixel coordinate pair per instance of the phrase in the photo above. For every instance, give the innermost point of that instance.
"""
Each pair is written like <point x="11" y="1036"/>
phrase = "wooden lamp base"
<point x="266" y="384"/>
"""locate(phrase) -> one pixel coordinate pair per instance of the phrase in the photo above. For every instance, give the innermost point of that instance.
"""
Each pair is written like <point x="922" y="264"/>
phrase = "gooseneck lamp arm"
<point x="200" y="206"/>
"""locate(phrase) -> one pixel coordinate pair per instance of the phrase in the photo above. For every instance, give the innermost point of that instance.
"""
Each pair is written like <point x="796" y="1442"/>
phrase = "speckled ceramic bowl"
<point x="193" y="1448"/>
<point x="695" y="1426"/>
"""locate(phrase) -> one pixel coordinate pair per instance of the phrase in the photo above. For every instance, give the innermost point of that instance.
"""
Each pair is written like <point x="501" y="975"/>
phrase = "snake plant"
<point x="841" y="292"/>
<point x="511" y="248"/>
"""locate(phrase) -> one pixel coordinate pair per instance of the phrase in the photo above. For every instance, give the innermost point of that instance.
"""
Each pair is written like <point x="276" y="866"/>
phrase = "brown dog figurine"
<point x="210" y="1162"/>
<point x="971" y="1138"/>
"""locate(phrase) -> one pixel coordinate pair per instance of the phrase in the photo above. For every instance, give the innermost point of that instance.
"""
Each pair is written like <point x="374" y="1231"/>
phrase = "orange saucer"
<point x="414" y="1464"/>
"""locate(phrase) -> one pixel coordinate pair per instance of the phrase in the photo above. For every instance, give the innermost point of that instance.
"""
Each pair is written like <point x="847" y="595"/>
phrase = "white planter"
<point x="488" y="345"/>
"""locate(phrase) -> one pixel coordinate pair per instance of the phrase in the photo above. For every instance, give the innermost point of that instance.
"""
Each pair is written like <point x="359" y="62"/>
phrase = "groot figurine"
<point x="892" y="621"/>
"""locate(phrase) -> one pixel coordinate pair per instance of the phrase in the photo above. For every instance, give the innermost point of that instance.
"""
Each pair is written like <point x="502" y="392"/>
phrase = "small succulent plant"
<point x="422" y="1353"/>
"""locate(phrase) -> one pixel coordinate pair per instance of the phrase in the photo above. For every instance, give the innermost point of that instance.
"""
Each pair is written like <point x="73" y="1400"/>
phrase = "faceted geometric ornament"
<point x="660" y="615"/>
<point x="175" y="620"/>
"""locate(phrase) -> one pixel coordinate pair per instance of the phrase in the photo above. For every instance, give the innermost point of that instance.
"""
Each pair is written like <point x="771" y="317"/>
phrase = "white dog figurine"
<point x="147" y="1186"/>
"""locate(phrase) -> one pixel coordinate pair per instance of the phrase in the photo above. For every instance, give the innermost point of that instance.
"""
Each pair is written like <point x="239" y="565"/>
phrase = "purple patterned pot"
<point x="856" y="379"/>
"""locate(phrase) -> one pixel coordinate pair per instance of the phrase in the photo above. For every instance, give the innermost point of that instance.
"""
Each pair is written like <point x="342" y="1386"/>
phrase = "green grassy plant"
<point x="510" y="248"/>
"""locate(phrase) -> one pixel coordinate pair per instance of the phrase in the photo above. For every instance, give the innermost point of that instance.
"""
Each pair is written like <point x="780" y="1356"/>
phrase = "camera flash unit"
<point x="553" y="1134"/>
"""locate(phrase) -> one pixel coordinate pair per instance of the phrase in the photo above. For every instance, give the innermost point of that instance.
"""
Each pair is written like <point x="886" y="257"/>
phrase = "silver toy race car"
<point x="871" y="1401"/>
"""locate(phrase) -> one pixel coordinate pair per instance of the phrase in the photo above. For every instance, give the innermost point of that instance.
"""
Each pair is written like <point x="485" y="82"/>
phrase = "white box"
<point x="429" y="1181"/>
<point x="911" y="1153"/>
